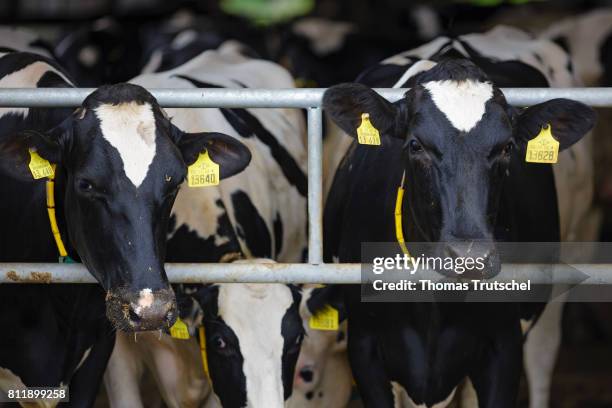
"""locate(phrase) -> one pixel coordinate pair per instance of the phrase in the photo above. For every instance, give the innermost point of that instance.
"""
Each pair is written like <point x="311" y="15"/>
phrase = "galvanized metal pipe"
<point x="273" y="98"/>
<point x="592" y="274"/>
<point x="191" y="273"/>
<point x="315" y="186"/>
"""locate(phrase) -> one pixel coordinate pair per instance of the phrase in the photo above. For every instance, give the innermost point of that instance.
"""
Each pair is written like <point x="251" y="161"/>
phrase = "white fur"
<point x="183" y="39"/>
<point x="130" y="128"/>
<point x="417" y="67"/>
<point x="153" y="63"/>
<point x="83" y="358"/>
<point x="428" y="22"/>
<point x="89" y="56"/>
<point x="197" y="208"/>
<point x="26" y="77"/>
<point x="259" y="336"/>
<point x="325" y="36"/>
<point x="462" y="102"/>
<point x="21" y="39"/>
<point x="403" y="400"/>
<point x="585" y="35"/>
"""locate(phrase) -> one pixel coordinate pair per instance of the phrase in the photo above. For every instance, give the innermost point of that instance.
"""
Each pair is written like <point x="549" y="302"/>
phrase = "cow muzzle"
<point x="144" y="310"/>
<point x="472" y="259"/>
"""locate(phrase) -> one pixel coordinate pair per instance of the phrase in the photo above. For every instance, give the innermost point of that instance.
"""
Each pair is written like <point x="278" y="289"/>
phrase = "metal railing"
<point x="310" y="99"/>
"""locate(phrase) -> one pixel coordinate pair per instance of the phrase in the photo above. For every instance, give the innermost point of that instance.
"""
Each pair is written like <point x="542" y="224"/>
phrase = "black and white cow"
<point x="252" y="356"/>
<point x="322" y="374"/>
<point x="251" y="329"/>
<point x="462" y="148"/>
<point x="588" y="40"/>
<point x="579" y="220"/>
<point x="261" y="214"/>
<point x="120" y="162"/>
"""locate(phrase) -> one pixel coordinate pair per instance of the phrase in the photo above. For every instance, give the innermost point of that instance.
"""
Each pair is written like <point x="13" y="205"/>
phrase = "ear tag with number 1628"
<point x="204" y="172"/>
<point x="543" y="148"/>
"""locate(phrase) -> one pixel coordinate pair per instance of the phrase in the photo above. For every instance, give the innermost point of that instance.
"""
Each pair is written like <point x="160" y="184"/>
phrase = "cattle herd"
<point x="123" y="185"/>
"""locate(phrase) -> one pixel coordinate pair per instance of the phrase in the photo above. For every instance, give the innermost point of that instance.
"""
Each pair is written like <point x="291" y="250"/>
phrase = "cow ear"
<point x="189" y="311"/>
<point x="315" y="299"/>
<point x="231" y="155"/>
<point x="569" y="121"/>
<point x="206" y="296"/>
<point x="346" y="103"/>
<point x="51" y="146"/>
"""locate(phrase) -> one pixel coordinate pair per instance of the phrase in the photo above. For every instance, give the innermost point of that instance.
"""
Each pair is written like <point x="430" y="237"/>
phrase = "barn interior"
<point x="322" y="43"/>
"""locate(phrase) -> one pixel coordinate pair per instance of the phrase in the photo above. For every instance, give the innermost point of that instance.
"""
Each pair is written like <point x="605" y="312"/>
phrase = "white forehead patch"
<point x="255" y="313"/>
<point x="130" y="128"/>
<point x="462" y="102"/>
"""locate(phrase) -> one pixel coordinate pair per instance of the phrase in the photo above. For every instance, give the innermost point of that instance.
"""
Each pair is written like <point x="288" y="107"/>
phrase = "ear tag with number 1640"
<point x="204" y="172"/>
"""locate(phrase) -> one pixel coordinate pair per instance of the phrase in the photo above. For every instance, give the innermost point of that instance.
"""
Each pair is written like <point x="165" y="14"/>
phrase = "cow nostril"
<point x="171" y="317"/>
<point x="133" y="316"/>
<point x="306" y="374"/>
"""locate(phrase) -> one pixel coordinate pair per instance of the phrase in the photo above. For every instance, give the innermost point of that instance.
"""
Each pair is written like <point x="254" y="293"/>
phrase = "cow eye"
<point x="415" y="146"/>
<point x="296" y="346"/>
<point x="508" y="148"/>
<point x="84" y="185"/>
<point x="219" y="343"/>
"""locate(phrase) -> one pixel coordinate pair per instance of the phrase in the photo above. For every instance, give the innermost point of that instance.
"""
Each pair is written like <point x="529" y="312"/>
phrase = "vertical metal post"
<point x="315" y="186"/>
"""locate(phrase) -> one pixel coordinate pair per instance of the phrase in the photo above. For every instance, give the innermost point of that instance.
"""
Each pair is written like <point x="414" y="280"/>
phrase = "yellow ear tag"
<point x="203" y="351"/>
<point x="204" y="172"/>
<point x="367" y="134"/>
<point x="324" y="319"/>
<point x="179" y="330"/>
<point x="543" y="148"/>
<point x="40" y="167"/>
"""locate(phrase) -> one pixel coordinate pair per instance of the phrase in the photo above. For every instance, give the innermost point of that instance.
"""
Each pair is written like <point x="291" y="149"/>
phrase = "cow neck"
<point x="52" y="214"/>
<point x="399" y="227"/>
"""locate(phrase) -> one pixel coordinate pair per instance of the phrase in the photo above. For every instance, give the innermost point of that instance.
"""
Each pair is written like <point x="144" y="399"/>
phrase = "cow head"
<point x="253" y="338"/>
<point x="459" y="135"/>
<point x="120" y="165"/>
<point x="323" y="359"/>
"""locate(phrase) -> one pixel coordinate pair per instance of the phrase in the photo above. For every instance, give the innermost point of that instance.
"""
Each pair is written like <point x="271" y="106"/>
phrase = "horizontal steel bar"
<point x="273" y="98"/>
<point x="192" y="273"/>
<point x="592" y="274"/>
